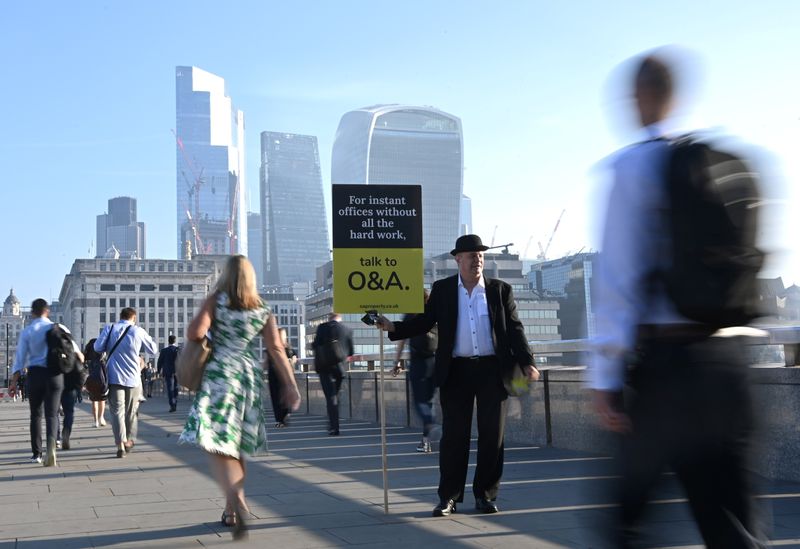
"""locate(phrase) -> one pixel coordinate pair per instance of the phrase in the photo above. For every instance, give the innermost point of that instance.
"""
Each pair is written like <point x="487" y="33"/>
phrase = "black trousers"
<point x="278" y="409"/>
<point x="171" y="385"/>
<point x="331" y="381"/>
<point x="470" y="381"/>
<point x="691" y="410"/>
<point x="44" y="396"/>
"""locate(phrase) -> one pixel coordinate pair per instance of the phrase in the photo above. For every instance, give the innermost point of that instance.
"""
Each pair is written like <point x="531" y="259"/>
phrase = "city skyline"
<point x="537" y="91"/>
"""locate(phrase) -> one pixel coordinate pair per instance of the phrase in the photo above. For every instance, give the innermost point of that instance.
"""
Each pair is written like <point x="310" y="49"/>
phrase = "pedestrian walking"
<point x="98" y="373"/>
<point x="123" y="342"/>
<point x="226" y="418"/>
<point x="45" y="384"/>
<point x="274" y="380"/>
<point x="676" y="275"/>
<point x="481" y="340"/>
<point x="422" y="349"/>
<point x="166" y="369"/>
<point x="333" y="343"/>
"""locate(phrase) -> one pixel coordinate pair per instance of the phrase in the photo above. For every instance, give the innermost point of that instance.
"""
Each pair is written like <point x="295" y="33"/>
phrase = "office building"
<point x="13" y="319"/>
<point x="295" y="226"/>
<point x="569" y="280"/>
<point x="398" y="144"/>
<point x="118" y="231"/>
<point x="466" y="215"/>
<point x="210" y="182"/>
<point x="255" y="246"/>
<point x="166" y="293"/>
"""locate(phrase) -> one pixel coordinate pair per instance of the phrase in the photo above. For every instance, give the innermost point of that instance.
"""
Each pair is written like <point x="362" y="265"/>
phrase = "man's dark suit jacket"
<point x="508" y="334"/>
<point x="331" y="330"/>
<point x="166" y="360"/>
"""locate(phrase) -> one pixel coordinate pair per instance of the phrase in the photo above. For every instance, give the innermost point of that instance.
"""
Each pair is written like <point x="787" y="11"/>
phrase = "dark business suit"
<point x="166" y="367"/>
<point x="462" y="381"/>
<point x="331" y="377"/>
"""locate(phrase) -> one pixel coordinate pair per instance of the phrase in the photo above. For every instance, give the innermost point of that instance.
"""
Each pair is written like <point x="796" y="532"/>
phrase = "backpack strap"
<point x="114" y="348"/>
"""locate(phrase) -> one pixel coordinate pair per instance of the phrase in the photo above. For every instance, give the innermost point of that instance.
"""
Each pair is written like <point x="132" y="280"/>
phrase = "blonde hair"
<point x="238" y="281"/>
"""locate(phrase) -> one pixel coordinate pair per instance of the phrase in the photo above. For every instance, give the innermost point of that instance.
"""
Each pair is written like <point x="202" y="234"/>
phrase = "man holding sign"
<point x="480" y="341"/>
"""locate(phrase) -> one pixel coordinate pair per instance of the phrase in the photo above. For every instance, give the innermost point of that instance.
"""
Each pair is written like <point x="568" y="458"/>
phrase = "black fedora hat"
<point x="469" y="243"/>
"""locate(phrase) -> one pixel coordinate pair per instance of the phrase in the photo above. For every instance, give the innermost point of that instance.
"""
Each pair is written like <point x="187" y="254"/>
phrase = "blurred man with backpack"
<point x="675" y="283"/>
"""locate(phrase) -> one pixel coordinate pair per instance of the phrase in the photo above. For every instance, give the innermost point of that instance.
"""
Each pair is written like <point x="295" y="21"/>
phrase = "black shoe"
<point x="333" y="432"/>
<point x="485" y="506"/>
<point x="120" y="453"/>
<point x="172" y="409"/>
<point x="445" y="508"/>
<point x="65" y="444"/>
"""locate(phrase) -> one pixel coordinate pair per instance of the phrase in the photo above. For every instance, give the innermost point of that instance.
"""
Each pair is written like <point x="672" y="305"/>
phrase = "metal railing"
<point x="786" y="336"/>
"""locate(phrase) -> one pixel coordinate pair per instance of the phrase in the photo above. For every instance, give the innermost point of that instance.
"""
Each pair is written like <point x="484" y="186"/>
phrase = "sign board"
<point x="377" y="248"/>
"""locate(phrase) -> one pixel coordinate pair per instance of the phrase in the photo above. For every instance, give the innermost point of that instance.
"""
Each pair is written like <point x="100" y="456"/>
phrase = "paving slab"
<point x="315" y="491"/>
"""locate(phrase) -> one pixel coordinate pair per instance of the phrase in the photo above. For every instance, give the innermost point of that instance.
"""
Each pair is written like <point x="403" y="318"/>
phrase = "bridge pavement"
<point x="313" y="491"/>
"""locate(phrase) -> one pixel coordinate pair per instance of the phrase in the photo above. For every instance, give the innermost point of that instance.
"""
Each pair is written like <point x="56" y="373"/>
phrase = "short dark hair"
<point x="655" y="76"/>
<point x="39" y="306"/>
<point x="171" y="339"/>
<point x="127" y="313"/>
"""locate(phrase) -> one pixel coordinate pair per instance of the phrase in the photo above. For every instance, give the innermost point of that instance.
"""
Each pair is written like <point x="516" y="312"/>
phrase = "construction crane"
<point x="193" y="192"/>
<point x="232" y="236"/>
<point x="543" y="250"/>
<point x="527" y="247"/>
<point x="494" y="234"/>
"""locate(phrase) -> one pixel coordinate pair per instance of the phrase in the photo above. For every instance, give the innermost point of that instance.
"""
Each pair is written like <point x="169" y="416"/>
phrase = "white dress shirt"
<point x="635" y="244"/>
<point x="473" y="328"/>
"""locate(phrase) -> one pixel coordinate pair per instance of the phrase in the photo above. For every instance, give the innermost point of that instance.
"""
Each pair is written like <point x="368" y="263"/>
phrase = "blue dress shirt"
<point x="32" y="345"/>
<point x="635" y="244"/>
<point x="123" y="366"/>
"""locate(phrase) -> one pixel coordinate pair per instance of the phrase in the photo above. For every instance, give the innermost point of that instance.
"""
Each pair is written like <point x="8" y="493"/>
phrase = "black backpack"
<point x="712" y="219"/>
<point x="329" y="352"/>
<point x="60" y="350"/>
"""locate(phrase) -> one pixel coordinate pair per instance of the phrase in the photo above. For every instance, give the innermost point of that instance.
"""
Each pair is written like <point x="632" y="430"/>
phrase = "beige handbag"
<point x="191" y="363"/>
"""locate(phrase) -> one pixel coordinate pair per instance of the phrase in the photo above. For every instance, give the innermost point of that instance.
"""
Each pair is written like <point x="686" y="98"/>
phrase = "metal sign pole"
<point x="384" y="459"/>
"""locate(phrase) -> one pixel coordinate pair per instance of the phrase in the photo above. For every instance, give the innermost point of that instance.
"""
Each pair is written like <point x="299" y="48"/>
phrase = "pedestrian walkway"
<point x="311" y="490"/>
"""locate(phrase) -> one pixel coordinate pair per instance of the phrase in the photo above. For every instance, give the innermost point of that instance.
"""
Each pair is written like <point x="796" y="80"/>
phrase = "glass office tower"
<point x="397" y="144"/>
<point x="211" y="188"/>
<point x="295" y="226"/>
<point x="120" y="230"/>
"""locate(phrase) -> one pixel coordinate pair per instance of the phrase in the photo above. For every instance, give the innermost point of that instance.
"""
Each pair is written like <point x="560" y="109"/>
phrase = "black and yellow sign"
<point x="377" y="248"/>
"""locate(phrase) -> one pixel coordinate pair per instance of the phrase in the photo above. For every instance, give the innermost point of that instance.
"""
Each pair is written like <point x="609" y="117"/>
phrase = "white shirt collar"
<point x="481" y="282"/>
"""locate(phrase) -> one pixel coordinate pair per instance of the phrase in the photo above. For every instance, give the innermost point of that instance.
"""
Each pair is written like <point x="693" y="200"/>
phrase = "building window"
<point x="190" y="303"/>
<point x="166" y="287"/>
<point x="180" y="267"/>
<point x="184" y="287"/>
<point x="141" y="303"/>
<point x="102" y="303"/>
<point x="141" y="267"/>
<point x="108" y="288"/>
<point x="147" y="287"/>
<point x="122" y="302"/>
<point x="151" y="302"/>
<point x="161" y="302"/>
<point x="103" y="267"/>
<point x="171" y="302"/>
<point x="151" y="317"/>
<point x="180" y="302"/>
<point x="113" y="266"/>
<point x="171" y="267"/>
<point x="102" y="318"/>
<point x="161" y="318"/>
<point x="127" y="287"/>
<point x="151" y="267"/>
<point x="112" y="303"/>
<point x="160" y="267"/>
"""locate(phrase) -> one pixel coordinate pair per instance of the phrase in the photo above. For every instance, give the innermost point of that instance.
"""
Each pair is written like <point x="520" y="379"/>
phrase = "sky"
<point x="87" y="105"/>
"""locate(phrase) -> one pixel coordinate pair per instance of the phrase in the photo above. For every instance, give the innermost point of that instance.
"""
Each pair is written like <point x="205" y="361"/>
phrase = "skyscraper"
<point x="295" y="226"/>
<point x="118" y="231"/>
<point x="398" y="144"/>
<point x="211" y="188"/>
<point x="255" y="246"/>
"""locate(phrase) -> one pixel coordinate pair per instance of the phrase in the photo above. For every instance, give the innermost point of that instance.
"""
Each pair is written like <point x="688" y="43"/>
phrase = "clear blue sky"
<point x="87" y="103"/>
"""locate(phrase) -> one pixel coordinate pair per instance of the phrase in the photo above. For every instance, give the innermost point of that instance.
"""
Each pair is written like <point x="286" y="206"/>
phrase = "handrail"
<point x="788" y="336"/>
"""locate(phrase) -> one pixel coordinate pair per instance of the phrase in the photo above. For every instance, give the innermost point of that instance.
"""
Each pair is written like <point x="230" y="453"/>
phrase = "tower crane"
<point x="192" y="191"/>
<point x="543" y="250"/>
<point x="494" y="234"/>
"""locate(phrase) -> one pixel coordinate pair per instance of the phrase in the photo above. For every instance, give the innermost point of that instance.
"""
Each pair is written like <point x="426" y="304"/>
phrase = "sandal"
<point x="228" y="519"/>
<point x="239" y="526"/>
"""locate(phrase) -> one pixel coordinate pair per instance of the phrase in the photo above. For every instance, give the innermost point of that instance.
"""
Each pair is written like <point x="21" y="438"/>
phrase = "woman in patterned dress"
<point x="226" y="418"/>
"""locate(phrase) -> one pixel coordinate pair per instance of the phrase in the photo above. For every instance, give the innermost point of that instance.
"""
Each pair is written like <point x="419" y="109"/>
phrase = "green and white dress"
<point x="226" y="416"/>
